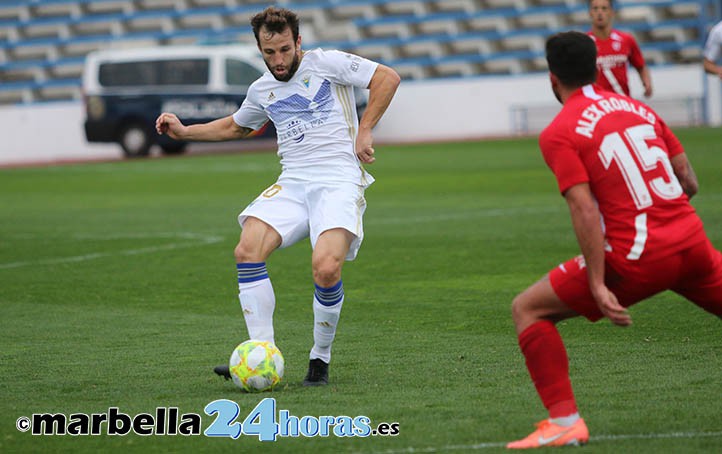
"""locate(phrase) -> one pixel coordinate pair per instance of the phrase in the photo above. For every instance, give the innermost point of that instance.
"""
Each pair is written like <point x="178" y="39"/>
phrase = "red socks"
<point x="548" y="365"/>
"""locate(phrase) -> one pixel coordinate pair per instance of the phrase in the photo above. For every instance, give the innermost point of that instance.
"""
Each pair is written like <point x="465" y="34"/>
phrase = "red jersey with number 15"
<point x="614" y="54"/>
<point x="622" y="149"/>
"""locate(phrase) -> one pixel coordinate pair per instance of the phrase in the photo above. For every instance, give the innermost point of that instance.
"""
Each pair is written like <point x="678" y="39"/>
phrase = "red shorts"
<point x="695" y="273"/>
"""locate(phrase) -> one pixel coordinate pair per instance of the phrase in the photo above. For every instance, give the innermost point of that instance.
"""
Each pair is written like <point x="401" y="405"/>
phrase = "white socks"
<point x="325" y="320"/>
<point x="566" y="421"/>
<point x="327" y="304"/>
<point x="258" y="301"/>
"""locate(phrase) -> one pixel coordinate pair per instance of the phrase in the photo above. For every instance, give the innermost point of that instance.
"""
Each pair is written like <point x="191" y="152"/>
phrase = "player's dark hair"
<point x="276" y="20"/>
<point x="611" y="3"/>
<point x="572" y="57"/>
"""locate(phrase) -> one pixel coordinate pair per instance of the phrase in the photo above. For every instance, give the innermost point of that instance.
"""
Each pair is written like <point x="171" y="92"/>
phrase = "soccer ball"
<point x="256" y="366"/>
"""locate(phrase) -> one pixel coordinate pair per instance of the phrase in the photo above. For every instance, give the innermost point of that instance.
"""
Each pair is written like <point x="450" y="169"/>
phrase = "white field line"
<point x="490" y="213"/>
<point x="189" y="240"/>
<point x="180" y="166"/>
<point x="592" y="439"/>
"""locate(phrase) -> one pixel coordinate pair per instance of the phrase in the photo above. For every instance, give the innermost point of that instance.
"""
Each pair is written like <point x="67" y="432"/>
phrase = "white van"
<point x="125" y="91"/>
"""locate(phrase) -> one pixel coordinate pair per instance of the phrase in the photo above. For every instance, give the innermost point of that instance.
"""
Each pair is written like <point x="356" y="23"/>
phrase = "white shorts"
<point x="298" y="209"/>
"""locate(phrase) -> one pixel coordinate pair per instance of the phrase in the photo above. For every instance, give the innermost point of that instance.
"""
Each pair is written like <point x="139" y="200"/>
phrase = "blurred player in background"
<point x="308" y="95"/>
<point x="627" y="182"/>
<point x="616" y="50"/>
<point x="713" y="51"/>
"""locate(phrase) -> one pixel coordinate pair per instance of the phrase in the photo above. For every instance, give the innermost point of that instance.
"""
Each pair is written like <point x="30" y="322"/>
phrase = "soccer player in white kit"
<point x="320" y="193"/>
<point x="713" y="51"/>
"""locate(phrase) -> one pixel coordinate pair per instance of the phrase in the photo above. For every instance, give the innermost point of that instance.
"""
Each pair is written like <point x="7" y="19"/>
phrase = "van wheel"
<point x="174" y="147"/>
<point x="135" y="140"/>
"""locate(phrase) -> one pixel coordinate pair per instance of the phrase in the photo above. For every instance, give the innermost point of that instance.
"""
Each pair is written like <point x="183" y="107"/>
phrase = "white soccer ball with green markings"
<point x="256" y="366"/>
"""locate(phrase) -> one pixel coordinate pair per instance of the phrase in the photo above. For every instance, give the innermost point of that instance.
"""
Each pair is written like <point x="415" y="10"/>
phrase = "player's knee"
<point x="326" y="270"/>
<point x="245" y="253"/>
<point x="519" y="308"/>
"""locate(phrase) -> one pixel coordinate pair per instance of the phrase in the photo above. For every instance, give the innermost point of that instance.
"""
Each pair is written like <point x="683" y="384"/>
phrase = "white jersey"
<point x="713" y="46"/>
<point x="314" y="114"/>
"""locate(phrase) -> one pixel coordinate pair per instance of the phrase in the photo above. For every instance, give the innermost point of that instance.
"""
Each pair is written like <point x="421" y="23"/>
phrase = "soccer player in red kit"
<point x="627" y="182"/>
<point x="616" y="50"/>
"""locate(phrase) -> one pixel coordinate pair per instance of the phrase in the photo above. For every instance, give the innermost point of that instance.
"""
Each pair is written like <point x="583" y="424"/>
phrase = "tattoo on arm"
<point x="245" y="131"/>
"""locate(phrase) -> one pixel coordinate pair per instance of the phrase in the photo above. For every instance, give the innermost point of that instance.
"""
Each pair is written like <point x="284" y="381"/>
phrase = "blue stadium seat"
<point x="43" y="42"/>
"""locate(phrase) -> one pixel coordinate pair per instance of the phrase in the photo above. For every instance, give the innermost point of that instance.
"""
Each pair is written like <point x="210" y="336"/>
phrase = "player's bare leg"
<point x="538" y="302"/>
<point x="328" y="257"/>
<point x="535" y="312"/>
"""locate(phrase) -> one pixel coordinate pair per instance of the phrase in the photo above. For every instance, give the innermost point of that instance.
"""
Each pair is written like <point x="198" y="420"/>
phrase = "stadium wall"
<point x="431" y="110"/>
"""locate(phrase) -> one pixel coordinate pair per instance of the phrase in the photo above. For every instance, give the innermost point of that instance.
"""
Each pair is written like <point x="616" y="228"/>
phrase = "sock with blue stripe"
<point x="258" y="301"/>
<point x="327" y="304"/>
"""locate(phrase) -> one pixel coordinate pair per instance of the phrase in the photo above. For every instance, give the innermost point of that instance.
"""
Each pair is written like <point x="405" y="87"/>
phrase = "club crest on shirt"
<point x="616" y="45"/>
<point x="306" y="80"/>
<point x="271" y="97"/>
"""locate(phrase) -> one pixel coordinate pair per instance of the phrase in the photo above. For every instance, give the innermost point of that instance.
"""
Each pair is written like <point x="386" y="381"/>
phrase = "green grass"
<point x="117" y="288"/>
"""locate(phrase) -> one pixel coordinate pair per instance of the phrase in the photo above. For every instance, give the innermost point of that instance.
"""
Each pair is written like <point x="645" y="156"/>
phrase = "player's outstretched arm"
<point x="685" y="174"/>
<point x="586" y="220"/>
<point x="217" y="130"/>
<point x="382" y="88"/>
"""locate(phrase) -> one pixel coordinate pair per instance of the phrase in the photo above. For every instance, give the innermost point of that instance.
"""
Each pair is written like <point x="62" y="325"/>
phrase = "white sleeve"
<point x="250" y="114"/>
<point x="349" y="69"/>
<point x="713" y="46"/>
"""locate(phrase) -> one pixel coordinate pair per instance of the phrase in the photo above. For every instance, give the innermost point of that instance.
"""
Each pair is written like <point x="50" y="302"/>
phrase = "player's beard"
<point x="291" y="70"/>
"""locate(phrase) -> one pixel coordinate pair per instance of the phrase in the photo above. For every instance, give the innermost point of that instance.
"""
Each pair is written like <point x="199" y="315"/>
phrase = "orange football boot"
<point x="550" y="434"/>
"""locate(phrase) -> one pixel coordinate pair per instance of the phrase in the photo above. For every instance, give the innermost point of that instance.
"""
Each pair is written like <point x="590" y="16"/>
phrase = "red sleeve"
<point x="636" y="58"/>
<point x="562" y="158"/>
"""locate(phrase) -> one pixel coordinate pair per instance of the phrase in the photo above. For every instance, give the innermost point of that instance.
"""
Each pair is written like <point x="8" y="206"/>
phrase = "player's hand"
<point x="648" y="91"/>
<point x="366" y="155"/>
<point x="168" y="123"/>
<point x="364" y="150"/>
<point x="610" y="307"/>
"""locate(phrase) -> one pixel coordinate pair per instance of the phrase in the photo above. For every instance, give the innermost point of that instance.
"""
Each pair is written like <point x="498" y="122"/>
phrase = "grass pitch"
<point x="118" y="289"/>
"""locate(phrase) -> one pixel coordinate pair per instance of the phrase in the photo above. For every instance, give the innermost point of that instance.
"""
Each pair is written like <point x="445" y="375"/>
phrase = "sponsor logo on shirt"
<point x="355" y="62"/>
<point x="295" y="115"/>
<point x="609" y="61"/>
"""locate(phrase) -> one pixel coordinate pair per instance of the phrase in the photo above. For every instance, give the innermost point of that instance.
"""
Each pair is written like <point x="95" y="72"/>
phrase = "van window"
<point x="240" y="73"/>
<point x="159" y="72"/>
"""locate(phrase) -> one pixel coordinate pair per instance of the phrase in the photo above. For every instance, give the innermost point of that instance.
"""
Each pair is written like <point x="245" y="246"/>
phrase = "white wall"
<point x="50" y="132"/>
<point x="481" y="107"/>
<point x="437" y="110"/>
